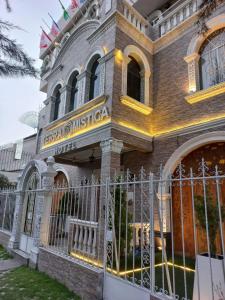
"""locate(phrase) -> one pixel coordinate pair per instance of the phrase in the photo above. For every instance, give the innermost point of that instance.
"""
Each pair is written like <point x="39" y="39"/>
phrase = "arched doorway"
<point x="186" y="195"/>
<point x="28" y="214"/>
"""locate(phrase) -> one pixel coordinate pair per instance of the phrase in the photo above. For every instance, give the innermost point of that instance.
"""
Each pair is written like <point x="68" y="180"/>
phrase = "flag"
<point x="65" y="13"/>
<point x="44" y="40"/>
<point x="55" y="28"/>
<point x="74" y="4"/>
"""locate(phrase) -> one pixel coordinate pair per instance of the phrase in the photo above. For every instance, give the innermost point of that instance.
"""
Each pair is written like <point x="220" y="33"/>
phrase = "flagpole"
<point x="43" y="20"/>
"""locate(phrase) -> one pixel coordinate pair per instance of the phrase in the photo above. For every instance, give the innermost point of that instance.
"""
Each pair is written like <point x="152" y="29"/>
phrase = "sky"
<point x="20" y="95"/>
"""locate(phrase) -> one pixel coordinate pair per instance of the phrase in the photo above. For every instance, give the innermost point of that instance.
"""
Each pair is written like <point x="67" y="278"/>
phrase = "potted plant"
<point x="209" y="269"/>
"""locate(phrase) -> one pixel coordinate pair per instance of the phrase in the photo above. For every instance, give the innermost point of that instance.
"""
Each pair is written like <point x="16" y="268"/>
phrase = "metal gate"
<point x="165" y="236"/>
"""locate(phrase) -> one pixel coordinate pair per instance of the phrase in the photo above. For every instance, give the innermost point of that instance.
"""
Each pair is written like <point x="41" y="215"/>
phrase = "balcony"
<point x="175" y="15"/>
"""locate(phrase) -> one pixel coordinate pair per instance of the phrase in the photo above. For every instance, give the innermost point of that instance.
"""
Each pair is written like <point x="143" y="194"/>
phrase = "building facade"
<point x="128" y="86"/>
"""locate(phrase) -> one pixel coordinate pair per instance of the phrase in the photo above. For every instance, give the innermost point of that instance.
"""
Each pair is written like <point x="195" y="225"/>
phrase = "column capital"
<point x="49" y="174"/>
<point x="111" y="145"/>
<point x="164" y="196"/>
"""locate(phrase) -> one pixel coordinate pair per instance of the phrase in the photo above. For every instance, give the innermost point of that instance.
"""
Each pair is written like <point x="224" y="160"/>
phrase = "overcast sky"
<point x="18" y="96"/>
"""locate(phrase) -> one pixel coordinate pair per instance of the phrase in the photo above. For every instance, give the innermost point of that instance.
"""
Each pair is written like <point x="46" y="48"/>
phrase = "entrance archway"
<point x="182" y="198"/>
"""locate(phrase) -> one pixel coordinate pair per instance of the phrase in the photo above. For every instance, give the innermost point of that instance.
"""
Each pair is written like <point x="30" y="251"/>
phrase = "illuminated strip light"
<point x="132" y="127"/>
<point x="78" y="115"/>
<point x="158" y="265"/>
<point x="201" y="122"/>
<point x="206" y="94"/>
<point x="134" y="104"/>
<point x="78" y="133"/>
<point x="100" y="265"/>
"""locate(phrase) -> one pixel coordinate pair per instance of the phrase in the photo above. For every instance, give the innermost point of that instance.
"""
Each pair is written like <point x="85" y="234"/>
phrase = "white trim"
<point x="132" y="50"/>
<point x="61" y="169"/>
<point x="214" y="24"/>
<point x="68" y="77"/>
<point x="99" y="51"/>
<point x="192" y="57"/>
<point x="188" y="147"/>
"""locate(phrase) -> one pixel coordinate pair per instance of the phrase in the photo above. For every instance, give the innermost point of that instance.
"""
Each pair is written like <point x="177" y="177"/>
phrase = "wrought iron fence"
<point x="167" y="234"/>
<point x="75" y="221"/>
<point x="7" y="207"/>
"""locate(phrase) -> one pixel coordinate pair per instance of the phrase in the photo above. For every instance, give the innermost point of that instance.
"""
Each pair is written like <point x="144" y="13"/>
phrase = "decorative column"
<point x="43" y="210"/>
<point x="164" y="208"/>
<point x="62" y="106"/>
<point x="102" y="75"/>
<point x="83" y="81"/>
<point x="193" y="72"/>
<point x="68" y="96"/>
<point x="126" y="61"/>
<point x="16" y="230"/>
<point x="110" y="164"/>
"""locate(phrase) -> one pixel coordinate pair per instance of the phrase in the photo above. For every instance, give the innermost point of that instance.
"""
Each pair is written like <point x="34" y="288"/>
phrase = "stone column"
<point x="83" y="88"/>
<point x="62" y="106"/>
<point x="193" y="72"/>
<point x="164" y="207"/>
<point x="16" y="230"/>
<point x="43" y="210"/>
<point x="102" y="76"/>
<point x="110" y="164"/>
<point x="126" y="61"/>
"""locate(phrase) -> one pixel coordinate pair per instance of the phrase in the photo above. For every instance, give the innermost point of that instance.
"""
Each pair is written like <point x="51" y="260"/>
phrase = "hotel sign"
<point x="75" y="126"/>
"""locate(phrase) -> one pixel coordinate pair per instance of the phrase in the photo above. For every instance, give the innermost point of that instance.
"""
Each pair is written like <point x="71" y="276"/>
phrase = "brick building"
<point x="130" y="85"/>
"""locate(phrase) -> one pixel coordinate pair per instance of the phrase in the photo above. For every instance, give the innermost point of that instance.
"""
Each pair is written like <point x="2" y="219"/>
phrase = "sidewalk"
<point x="9" y="264"/>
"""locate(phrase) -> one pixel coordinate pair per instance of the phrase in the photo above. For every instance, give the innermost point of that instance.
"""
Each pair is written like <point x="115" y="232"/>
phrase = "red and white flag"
<point x="45" y="39"/>
<point x="74" y="4"/>
<point x="54" y="29"/>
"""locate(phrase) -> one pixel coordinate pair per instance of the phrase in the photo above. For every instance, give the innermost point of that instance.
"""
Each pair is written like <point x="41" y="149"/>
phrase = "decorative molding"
<point x="100" y="100"/>
<point x="136" y="105"/>
<point x="206" y="94"/>
<point x="111" y="145"/>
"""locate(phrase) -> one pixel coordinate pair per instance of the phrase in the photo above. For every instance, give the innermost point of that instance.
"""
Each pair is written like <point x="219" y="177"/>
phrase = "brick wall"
<point x="86" y="282"/>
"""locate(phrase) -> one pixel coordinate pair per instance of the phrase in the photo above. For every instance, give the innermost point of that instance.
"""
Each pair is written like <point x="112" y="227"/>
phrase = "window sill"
<point x="206" y="94"/>
<point x="134" y="104"/>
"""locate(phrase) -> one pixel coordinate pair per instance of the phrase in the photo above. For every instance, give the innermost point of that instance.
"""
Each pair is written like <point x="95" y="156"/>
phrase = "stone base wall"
<point x="87" y="282"/>
<point x="4" y="238"/>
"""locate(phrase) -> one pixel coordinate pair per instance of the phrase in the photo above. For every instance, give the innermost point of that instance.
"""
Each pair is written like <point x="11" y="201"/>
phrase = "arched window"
<point x="134" y="79"/>
<point x="212" y="60"/>
<point x="74" y="92"/>
<point x="95" y="80"/>
<point x="57" y="100"/>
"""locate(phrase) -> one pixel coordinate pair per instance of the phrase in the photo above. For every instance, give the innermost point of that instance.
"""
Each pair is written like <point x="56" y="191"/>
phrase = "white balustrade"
<point x="173" y="17"/>
<point x="133" y="16"/>
<point x="85" y="236"/>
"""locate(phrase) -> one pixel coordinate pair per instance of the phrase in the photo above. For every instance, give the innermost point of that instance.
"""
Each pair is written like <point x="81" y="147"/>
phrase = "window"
<point x="74" y="93"/>
<point x="212" y="60"/>
<point x="56" y="103"/>
<point x="95" y="80"/>
<point x="134" y="80"/>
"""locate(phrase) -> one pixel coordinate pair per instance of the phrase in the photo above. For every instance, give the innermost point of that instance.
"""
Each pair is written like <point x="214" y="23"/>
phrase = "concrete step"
<point x="20" y="256"/>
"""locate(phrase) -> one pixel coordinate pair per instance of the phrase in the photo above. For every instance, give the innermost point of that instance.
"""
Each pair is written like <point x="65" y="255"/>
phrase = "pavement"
<point x="9" y="264"/>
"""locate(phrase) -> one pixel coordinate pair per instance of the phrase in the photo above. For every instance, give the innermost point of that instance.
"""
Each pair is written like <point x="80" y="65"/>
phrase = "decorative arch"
<point x="136" y="53"/>
<point x="98" y="51"/>
<point x="82" y="28"/>
<point x="193" y="56"/>
<point x="34" y="165"/>
<point x="188" y="147"/>
<point x="61" y="169"/>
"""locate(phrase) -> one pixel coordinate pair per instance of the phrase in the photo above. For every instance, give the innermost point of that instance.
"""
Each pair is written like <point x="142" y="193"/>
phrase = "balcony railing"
<point x="84" y="236"/>
<point x="175" y="15"/>
<point x="134" y="17"/>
